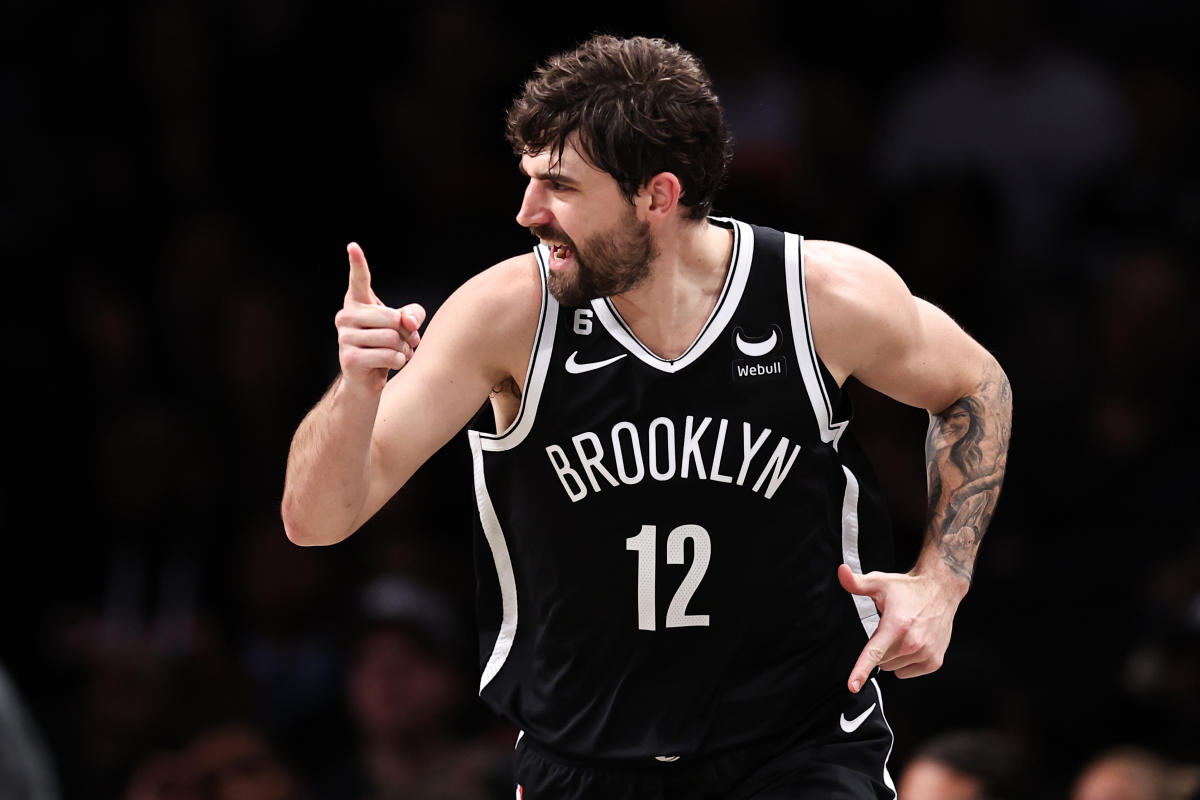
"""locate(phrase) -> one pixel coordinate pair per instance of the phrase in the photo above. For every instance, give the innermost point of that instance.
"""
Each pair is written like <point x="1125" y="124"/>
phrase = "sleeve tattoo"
<point x="966" y="450"/>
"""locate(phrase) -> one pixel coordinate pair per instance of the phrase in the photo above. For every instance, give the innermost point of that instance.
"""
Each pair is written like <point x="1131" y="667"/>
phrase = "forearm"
<point x="328" y="467"/>
<point x="966" y="451"/>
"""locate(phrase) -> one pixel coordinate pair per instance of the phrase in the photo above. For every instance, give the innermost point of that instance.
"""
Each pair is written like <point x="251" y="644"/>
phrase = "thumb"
<point x="855" y="583"/>
<point x="360" y="276"/>
<point x="413" y="316"/>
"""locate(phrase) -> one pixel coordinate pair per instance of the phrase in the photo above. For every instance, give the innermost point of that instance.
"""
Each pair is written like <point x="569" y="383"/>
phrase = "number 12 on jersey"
<point x="646" y="546"/>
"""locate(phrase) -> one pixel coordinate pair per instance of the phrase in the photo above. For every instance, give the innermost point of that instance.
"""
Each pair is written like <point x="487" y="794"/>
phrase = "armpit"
<point x="508" y="386"/>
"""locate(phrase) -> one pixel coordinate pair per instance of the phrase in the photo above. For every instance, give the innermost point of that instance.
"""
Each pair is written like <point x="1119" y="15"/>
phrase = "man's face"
<point x="598" y="245"/>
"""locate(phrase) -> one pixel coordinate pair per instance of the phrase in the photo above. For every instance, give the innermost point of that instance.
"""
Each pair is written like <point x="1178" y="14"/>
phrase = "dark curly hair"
<point x="639" y="106"/>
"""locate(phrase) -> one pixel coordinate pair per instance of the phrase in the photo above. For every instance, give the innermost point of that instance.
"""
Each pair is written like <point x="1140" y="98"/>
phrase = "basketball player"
<point x="681" y="548"/>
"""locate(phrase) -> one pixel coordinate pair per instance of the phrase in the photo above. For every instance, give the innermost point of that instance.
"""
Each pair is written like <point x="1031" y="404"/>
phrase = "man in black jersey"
<point x="684" y="568"/>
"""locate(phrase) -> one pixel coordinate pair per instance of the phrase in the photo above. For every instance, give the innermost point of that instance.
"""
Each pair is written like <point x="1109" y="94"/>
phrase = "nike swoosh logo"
<point x="851" y="725"/>
<point x="756" y="349"/>
<point x="575" y="368"/>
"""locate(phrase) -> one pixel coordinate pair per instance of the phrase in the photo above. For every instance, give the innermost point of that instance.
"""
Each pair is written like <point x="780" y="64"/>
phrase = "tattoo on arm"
<point x="966" y="451"/>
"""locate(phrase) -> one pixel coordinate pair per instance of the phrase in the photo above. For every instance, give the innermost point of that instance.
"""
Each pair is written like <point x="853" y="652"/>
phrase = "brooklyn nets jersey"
<point x="659" y="539"/>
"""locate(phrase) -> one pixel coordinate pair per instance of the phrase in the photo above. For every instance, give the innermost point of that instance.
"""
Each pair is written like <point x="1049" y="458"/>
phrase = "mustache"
<point x="551" y="235"/>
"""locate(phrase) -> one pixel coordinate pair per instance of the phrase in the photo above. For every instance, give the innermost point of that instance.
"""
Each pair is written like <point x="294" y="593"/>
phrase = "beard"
<point x="607" y="264"/>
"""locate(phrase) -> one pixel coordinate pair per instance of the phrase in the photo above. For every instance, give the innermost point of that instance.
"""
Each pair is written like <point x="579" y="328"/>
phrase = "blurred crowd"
<point x="181" y="180"/>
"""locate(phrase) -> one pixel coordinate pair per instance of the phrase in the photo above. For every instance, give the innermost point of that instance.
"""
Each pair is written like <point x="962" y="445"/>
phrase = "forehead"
<point x="569" y="164"/>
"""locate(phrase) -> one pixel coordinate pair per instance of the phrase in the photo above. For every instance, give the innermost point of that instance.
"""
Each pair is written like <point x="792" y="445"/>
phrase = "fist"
<point x="373" y="338"/>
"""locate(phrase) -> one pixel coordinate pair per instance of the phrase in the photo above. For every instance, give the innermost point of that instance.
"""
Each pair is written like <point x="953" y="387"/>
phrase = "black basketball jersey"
<point x="659" y="539"/>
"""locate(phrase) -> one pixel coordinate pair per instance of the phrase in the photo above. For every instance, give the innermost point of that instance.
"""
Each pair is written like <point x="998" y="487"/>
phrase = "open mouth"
<point x="560" y="254"/>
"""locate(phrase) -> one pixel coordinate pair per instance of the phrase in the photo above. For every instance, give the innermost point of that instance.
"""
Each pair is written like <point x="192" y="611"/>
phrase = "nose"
<point x="533" y="206"/>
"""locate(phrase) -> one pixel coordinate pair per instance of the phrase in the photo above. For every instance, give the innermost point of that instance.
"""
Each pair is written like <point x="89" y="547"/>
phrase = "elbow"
<point x="293" y="524"/>
<point x="300" y="529"/>
<point x="996" y="381"/>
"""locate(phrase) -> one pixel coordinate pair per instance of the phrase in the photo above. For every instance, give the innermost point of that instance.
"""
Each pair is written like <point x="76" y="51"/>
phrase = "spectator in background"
<point x="1037" y="122"/>
<point x="1162" y="670"/>
<point x="288" y="641"/>
<point x="235" y="761"/>
<point x="407" y="690"/>
<point x="1132" y="773"/>
<point x="227" y="759"/>
<point x="964" y="765"/>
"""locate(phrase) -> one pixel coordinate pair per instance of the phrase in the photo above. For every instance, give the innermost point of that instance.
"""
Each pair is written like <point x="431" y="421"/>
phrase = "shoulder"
<point x="510" y="288"/>
<point x="843" y="273"/>
<point x="859" y="307"/>
<point x="503" y="298"/>
<point x="491" y="318"/>
<point x="866" y="323"/>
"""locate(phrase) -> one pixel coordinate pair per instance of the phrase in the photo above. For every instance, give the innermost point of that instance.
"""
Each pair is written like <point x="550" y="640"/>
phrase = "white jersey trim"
<point x="535" y="373"/>
<point x="726" y="305"/>
<point x="535" y="379"/>
<point x="806" y="352"/>
<point x="867" y="613"/>
<point x="887" y="778"/>
<point x="504" y="569"/>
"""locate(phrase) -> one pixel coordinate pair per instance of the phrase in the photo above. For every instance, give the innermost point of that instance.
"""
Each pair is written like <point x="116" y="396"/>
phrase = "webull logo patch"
<point x="764" y="358"/>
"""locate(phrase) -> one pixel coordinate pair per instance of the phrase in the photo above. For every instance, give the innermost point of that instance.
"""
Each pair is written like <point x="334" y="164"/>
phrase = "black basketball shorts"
<point x="840" y="754"/>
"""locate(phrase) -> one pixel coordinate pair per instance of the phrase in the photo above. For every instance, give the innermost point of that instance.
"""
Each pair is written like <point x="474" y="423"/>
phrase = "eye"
<point x="559" y="187"/>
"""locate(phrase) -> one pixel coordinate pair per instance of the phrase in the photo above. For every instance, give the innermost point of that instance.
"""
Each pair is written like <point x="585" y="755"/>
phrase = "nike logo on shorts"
<point x="575" y="368"/>
<point x="851" y="725"/>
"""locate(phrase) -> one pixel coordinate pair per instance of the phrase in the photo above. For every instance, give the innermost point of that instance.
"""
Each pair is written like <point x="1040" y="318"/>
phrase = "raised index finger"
<point x="360" y="276"/>
<point x="875" y="652"/>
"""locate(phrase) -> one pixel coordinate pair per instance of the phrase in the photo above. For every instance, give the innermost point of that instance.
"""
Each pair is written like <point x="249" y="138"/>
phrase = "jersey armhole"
<point x="535" y="374"/>
<point x="809" y="363"/>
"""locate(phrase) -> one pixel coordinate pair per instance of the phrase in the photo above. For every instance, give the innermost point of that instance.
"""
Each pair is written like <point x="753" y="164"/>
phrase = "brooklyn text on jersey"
<point x="657" y="452"/>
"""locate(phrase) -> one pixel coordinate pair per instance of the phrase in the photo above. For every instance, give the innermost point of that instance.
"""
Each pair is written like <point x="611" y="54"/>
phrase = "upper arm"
<point x="478" y="338"/>
<point x="866" y="323"/>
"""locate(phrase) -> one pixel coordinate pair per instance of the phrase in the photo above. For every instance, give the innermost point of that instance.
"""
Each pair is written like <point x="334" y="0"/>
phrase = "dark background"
<point x="180" y="181"/>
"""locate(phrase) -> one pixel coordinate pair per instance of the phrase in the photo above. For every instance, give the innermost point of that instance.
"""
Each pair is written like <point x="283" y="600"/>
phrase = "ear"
<point x="660" y="195"/>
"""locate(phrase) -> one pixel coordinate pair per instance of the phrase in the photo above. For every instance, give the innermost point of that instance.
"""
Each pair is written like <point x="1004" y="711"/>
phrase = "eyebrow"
<point x="546" y="175"/>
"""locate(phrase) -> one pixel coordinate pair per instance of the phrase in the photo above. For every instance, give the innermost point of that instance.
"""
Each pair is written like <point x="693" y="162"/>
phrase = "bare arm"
<point x="966" y="452"/>
<point x="368" y="435"/>
<point x="867" y="324"/>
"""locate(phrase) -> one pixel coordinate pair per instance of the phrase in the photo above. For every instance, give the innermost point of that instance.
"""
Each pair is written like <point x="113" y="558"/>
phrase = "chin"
<point x="566" y="290"/>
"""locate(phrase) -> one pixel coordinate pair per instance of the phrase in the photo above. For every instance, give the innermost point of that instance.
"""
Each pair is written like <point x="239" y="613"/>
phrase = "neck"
<point x="669" y="308"/>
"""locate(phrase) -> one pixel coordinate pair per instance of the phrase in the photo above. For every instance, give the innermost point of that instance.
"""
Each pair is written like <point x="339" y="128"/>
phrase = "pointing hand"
<point x="372" y="337"/>
<point x="916" y="613"/>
